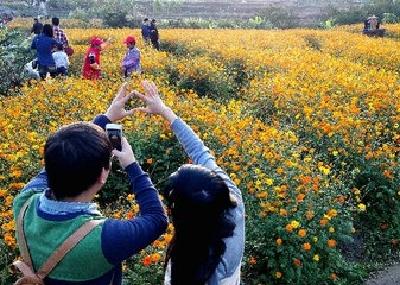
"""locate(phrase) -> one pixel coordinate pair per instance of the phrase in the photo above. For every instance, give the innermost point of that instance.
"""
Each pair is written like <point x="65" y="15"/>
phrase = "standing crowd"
<point x="53" y="51"/>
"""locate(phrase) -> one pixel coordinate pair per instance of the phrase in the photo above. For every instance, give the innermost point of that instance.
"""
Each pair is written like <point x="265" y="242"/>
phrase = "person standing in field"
<point x="61" y="59"/>
<point x="154" y="35"/>
<point x="37" y="27"/>
<point x="131" y="61"/>
<point x="91" y="67"/>
<point x="44" y="44"/>
<point x="145" y="29"/>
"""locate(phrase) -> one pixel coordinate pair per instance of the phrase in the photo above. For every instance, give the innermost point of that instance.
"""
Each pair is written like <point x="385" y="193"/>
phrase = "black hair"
<point x="60" y="46"/>
<point x="35" y="19"/>
<point x="153" y="20"/>
<point x="74" y="158"/>
<point x="48" y="31"/>
<point x="55" y="21"/>
<point x="145" y="19"/>
<point x="199" y="201"/>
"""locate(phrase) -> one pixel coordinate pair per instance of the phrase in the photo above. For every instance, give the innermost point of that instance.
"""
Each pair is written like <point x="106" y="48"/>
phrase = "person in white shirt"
<point x="61" y="60"/>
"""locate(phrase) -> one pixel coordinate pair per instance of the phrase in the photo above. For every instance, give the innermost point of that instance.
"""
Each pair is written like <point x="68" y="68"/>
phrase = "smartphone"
<point x="114" y="133"/>
<point x="92" y="58"/>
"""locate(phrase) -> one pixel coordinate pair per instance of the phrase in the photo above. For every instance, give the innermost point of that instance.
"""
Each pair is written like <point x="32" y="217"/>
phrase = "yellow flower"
<point x="316" y="257"/>
<point x="362" y="207"/>
<point x="295" y="224"/>
<point x="331" y="230"/>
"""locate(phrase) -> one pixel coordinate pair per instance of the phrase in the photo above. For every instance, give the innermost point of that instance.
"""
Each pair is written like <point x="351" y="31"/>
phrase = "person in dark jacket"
<point x="37" y="27"/>
<point x="154" y="36"/>
<point x="44" y="44"/>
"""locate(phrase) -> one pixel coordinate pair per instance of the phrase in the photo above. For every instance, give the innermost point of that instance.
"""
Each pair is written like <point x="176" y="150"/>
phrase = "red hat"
<point x="95" y="41"/>
<point x="130" y="40"/>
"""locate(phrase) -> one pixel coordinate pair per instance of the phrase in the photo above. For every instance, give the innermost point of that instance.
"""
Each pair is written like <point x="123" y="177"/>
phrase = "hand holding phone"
<point x="114" y="133"/>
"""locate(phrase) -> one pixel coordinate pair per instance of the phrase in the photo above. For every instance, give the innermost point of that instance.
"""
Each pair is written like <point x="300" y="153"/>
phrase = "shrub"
<point x="14" y="54"/>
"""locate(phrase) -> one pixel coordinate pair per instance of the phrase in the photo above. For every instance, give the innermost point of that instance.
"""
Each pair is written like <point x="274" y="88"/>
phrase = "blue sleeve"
<point x="101" y="121"/>
<point x="38" y="183"/>
<point x="200" y="154"/>
<point x="34" y="43"/>
<point x="121" y="239"/>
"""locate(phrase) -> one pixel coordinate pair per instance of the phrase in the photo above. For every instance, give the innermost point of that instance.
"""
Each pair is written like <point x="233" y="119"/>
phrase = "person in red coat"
<point x="91" y="66"/>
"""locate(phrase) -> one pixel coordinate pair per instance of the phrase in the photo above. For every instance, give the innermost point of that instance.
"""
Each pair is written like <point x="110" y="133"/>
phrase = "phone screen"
<point x="114" y="135"/>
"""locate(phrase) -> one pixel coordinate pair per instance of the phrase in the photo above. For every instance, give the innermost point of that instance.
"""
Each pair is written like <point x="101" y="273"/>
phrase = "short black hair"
<point x="145" y="19"/>
<point x="60" y="46"/>
<point x="48" y="30"/>
<point x="153" y="20"/>
<point x="74" y="158"/>
<point x="35" y="19"/>
<point x="55" y="21"/>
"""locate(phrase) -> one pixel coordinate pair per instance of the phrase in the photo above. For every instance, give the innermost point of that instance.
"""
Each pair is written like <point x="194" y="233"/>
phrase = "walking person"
<point x="61" y="60"/>
<point x="37" y="27"/>
<point x="59" y="33"/>
<point x="206" y="209"/>
<point x="145" y="30"/>
<point x="154" y="35"/>
<point x="44" y="44"/>
<point x="56" y="208"/>
<point x="91" y="67"/>
<point x="131" y="61"/>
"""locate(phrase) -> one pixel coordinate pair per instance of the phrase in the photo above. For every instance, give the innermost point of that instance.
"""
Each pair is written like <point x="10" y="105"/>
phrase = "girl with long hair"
<point x="206" y="210"/>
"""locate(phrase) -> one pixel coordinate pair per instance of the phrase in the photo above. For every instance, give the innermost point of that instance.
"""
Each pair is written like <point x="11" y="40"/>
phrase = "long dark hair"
<point x="48" y="30"/>
<point x="199" y="201"/>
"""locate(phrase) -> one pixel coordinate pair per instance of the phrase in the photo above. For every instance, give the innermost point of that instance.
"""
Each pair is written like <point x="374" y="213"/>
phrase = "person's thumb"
<point x="117" y="153"/>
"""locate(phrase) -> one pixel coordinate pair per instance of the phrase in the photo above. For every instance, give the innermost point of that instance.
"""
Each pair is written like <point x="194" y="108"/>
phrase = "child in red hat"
<point x="91" y="66"/>
<point x="131" y="61"/>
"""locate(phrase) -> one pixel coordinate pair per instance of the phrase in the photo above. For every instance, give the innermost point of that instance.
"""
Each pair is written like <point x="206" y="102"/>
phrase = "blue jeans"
<point x="62" y="71"/>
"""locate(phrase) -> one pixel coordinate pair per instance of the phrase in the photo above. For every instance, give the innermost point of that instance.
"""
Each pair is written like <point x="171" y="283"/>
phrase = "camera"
<point x="114" y="133"/>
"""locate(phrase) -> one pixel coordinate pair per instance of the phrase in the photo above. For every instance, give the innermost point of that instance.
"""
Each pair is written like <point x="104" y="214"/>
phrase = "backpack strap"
<point x="66" y="247"/>
<point x="23" y="247"/>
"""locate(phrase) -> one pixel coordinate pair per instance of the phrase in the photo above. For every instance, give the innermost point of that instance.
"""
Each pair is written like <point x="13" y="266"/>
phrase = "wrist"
<point x="168" y="114"/>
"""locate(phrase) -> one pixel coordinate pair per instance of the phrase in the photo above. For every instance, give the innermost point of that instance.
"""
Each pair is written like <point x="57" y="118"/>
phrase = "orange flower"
<point x="149" y="161"/>
<point x="289" y="228"/>
<point x="167" y="238"/>
<point x="300" y="198"/>
<point x="302" y="233"/>
<point x="147" y="260"/>
<point x="323" y="222"/>
<point x="283" y="212"/>
<point x="296" y="262"/>
<point x="278" y="242"/>
<point x="278" y="275"/>
<point x="307" y="246"/>
<point x="331" y="243"/>
<point x="155" y="257"/>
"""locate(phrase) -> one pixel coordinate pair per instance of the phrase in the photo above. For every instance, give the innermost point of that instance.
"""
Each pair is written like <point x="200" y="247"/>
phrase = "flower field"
<point x="305" y="122"/>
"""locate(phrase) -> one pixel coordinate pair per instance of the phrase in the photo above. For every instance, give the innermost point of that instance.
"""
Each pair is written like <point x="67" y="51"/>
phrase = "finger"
<point x="153" y="89"/>
<point x="125" y="144"/>
<point x="122" y="90"/>
<point x="142" y="110"/>
<point x="130" y="112"/>
<point x="117" y="153"/>
<point x="126" y="98"/>
<point x="139" y="95"/>
<point x="146" y="87"/>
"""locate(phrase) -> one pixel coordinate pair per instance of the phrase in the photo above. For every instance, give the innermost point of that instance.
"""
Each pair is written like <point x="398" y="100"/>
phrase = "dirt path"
<point x="390" y="276"/>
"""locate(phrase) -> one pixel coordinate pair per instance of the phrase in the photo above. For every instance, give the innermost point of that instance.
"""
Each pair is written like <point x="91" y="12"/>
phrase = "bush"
<point x="14" y="54"/>
<point x="279" y="17"/>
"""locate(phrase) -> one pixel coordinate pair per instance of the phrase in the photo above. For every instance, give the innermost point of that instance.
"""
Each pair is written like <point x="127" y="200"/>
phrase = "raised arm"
<point x="122" y="239"/>
<point x="193" y="145"/>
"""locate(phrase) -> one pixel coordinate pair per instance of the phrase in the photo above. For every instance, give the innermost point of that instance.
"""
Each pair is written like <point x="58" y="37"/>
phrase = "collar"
<point x="52" y="207"/>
